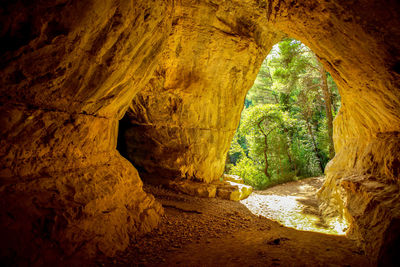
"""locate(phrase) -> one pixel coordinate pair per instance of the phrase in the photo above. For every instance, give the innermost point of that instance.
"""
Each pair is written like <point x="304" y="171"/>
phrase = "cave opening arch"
<point x="53" y="138"/>
<point x="176" y="111"/>
<point x="284" y="131"/>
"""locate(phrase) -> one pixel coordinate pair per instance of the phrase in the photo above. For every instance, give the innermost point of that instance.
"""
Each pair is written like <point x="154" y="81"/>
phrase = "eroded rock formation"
<point x="182" y="123"/>
<point x="70" y="69"/>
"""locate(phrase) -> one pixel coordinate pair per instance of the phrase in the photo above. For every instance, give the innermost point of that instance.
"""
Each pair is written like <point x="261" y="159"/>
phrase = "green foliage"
<point x="251" y="172"/>
<point x="282" y="134"/>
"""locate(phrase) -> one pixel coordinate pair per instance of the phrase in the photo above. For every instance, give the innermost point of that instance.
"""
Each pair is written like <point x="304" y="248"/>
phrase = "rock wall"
<point x="181" y="125"/>
<point x="69" y="70"/>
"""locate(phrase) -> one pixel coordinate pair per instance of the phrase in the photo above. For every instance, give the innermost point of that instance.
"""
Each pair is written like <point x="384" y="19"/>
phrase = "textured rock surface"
<point x="233" y="178"/>
<point x="233" y="191"/>
<point x="182" y="123"/>
<point x="194" y="188"/>
<point x="69" y="70"/>
<point x="221" y="189"/>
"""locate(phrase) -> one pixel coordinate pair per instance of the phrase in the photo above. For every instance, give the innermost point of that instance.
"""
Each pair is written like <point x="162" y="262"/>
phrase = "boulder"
<point x="194" y="188"/>
<point x="233" y="191"/>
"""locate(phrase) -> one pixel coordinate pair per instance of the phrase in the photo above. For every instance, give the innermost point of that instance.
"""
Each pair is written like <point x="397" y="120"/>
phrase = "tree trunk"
<point x="289" y="151"/>
<point x="310" y="131"/>
<point x="266" y="155"/>
<point x="328" y="109"/>
<point x="227" y="162"/>
<point x="265" y="146"/>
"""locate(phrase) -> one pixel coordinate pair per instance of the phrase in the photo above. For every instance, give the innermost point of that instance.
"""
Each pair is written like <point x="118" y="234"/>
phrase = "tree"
<point x="286" y="126"/>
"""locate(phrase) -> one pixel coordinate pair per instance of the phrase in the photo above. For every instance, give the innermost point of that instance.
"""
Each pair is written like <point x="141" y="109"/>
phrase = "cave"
<point x="179" y="72"/>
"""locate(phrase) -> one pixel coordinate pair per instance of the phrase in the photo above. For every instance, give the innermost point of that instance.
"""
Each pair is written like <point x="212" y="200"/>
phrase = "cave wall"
<point x="70" y="69"/>
<point x="181" y="124"/>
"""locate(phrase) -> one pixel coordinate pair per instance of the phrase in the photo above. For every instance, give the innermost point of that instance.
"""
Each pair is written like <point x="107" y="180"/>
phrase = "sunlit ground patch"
<point x="293" y="211"/>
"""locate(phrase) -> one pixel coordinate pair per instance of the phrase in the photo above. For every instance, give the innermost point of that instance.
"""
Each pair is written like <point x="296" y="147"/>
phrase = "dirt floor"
<point x="213" y="232"/>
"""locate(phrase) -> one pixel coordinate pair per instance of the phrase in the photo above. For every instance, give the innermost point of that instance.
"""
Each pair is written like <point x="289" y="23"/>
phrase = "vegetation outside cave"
<point x="285" y="132"/>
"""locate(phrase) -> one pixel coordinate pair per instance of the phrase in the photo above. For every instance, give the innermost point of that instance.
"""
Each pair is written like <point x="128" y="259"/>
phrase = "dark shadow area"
<point x="389" y="253"/>
<point x="124" y="124"/>
<point x="135" y="151"/>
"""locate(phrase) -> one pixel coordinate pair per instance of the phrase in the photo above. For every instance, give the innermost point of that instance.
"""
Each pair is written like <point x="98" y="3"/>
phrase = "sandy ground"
<point x="295" y="204"/>
<point x="213" y="232"/>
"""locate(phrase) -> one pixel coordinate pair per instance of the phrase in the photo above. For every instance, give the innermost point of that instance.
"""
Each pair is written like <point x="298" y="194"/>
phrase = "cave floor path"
<point x="294" y="204"/>
<point x="213" y="232"/>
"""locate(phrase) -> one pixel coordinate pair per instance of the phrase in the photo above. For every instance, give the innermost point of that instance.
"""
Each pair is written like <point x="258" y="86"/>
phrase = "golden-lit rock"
<point x="181" y="125"/>
<point x="70" y="69"/>
<point x="233" y="191"/>
<point x="224" y="190"/>
<point x="232" y="178"/>
<point x="194" y="188"/>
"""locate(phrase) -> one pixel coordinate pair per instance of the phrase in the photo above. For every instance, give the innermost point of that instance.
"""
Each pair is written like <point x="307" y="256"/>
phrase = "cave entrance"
<point x="284" y="139"/>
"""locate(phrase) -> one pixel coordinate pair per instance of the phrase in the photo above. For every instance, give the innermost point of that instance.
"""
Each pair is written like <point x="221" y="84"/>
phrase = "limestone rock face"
<point x="181" y="125"/>
<point x="69" y="70"/>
